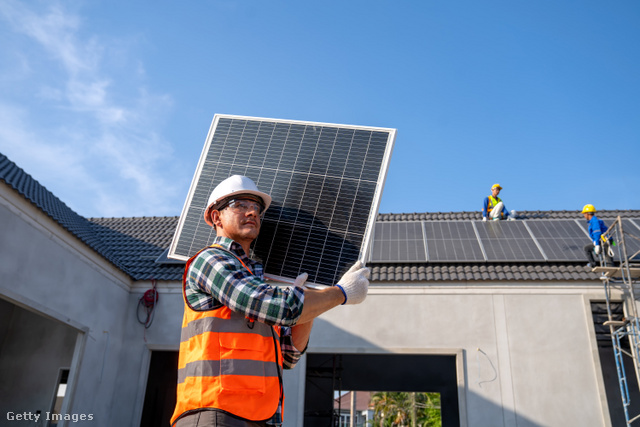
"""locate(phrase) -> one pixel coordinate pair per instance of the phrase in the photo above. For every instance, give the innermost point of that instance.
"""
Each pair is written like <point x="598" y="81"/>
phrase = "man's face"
<point x="495" y="191"/>
<point x="586" y="216"/>
<point x="239" y="220"/>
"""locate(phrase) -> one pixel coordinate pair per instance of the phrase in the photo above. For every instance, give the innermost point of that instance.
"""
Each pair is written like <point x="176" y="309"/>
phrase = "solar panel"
<point x="398" y="242"/>
<point x="508" y="241"/>
<point x="325" y="180"/>
<point x="561" y="240"/>
<point x="452" y="241"/>
<point x="631" y="226"/>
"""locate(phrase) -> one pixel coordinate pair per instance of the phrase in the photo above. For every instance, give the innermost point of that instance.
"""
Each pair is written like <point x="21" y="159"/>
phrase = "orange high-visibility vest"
<point x="227" y="362"/>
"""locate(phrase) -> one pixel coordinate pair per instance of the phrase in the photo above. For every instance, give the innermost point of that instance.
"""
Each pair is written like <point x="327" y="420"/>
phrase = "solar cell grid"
<point x="561" y="240"/>
<point x="454" y="241"/>
<point x="398" y="242"/>
<point x="630" y="226"/>
<point x="325" y="181"/>
<point x="632" y="245"/>
<point x="508" y="241"/>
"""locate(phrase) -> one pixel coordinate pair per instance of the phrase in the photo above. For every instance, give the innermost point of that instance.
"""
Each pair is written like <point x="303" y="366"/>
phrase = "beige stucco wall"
<point x="45" y="270"/>
<point x="526" y="351"/>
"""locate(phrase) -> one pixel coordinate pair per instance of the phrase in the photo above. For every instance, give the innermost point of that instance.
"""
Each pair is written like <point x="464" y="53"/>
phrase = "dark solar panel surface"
<point x="630" y="226"/>
<point x="452" y="241"/>
<point x="507" y="241"/>
<point x="398" y="242"/>
<point x="632" y="245"/>
<point x="325" y="181"/>
<point x="561" y="240"/>
<point x="555" y="240"/>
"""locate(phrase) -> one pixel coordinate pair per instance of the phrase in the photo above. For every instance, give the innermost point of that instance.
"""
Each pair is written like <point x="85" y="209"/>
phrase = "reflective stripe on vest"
<point x="227" y="362"/>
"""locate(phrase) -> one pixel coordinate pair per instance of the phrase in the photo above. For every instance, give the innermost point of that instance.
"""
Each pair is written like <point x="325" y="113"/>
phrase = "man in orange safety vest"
<point x="238" y="332"/>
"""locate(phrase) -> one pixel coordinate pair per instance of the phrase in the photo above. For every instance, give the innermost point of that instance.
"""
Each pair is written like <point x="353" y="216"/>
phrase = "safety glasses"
<point x="244" y="206"/>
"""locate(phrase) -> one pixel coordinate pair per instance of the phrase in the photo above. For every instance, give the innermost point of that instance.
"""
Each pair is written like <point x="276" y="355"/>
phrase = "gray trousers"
<point x="209" y="418"/>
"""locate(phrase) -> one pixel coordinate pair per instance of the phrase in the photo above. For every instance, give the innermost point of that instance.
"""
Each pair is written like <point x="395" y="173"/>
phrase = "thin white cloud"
<point x="101" y="156"/>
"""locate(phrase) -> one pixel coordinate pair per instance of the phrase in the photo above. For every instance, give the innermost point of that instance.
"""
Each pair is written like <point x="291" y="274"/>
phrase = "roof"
<point x="136" y="245"/>
<point x="363" y="400"/>
<point x="139" y="242"/>
<point x="53" y="207"/>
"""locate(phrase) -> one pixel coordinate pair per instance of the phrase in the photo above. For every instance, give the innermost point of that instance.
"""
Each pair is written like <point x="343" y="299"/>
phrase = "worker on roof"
<point x="493" y="207"/>
<point x="599" y="244"/>
<point x="238" y="332"/>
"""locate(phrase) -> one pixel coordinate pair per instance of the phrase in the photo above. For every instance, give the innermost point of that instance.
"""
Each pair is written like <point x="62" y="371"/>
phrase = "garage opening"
<point x="406" y="375"/>
<point x="36" y="354"/>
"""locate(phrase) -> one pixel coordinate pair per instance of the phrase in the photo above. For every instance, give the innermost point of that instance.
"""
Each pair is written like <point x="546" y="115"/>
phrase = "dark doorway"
<point x="327" y="373"/>
<point x="160" y="397"/>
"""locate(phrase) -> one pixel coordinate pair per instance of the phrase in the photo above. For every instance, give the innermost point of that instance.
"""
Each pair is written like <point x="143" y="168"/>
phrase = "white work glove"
<point x="597" y="249"/>
<point x="611" y="254"/>
<point x="299" y="282"/>
<point x="484" y="218"/>
<point x="354" y="284"/>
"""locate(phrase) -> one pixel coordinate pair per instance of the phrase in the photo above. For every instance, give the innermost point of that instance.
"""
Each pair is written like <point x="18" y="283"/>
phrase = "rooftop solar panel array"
<point x="325" y="180"/>
<point x="556" y="240"/>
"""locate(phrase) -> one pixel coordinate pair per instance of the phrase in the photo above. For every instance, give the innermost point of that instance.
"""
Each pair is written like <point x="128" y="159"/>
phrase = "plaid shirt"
<point x="216" y="277"/>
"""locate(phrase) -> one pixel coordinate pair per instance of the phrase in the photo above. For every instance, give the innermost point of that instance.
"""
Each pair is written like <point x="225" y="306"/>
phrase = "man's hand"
<point x="597" y="249"/>
<point x="355" y="284"/>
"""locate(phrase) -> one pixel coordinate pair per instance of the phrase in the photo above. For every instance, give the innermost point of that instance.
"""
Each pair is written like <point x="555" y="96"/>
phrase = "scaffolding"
<point x="624" y="277"/>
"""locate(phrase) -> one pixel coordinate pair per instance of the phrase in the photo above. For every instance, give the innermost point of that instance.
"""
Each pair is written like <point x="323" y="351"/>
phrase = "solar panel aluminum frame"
<point x="375" y="198"/>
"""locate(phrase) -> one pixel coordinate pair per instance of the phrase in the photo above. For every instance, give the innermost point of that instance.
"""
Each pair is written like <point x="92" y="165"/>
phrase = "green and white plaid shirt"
<point x="216" y="277"/>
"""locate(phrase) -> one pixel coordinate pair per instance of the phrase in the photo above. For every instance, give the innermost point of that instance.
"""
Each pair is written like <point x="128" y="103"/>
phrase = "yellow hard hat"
<point x="496" y="186"/>
<point x="589" y="209"/>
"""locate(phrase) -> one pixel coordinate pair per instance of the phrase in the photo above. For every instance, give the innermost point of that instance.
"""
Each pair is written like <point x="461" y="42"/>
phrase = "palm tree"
<point x="397" y="409"/>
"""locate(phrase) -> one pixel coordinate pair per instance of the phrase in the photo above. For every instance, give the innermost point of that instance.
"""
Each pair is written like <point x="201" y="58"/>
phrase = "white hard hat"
<point x="236" y="184"/>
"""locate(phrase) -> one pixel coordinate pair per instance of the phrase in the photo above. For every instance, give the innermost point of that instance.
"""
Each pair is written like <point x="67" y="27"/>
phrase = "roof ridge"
<point x="36" y="193"/>
<point x="530" y="214"/>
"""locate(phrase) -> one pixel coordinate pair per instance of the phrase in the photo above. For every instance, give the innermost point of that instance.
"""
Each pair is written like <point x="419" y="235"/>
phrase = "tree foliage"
<point x="396" y="409"/>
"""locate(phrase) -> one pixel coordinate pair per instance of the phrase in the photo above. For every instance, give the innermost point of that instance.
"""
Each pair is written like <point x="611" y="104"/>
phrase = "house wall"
<point x="162" y="334"/>
<point x="527" y="353"/>
<point x="47" y="271"/>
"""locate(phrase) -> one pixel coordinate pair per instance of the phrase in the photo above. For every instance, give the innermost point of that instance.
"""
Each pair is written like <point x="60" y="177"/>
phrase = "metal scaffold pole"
<point x="624" y="277"/>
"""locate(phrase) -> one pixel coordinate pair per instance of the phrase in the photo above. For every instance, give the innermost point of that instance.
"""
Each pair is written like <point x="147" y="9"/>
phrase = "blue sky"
<point x="108" y="103"/>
